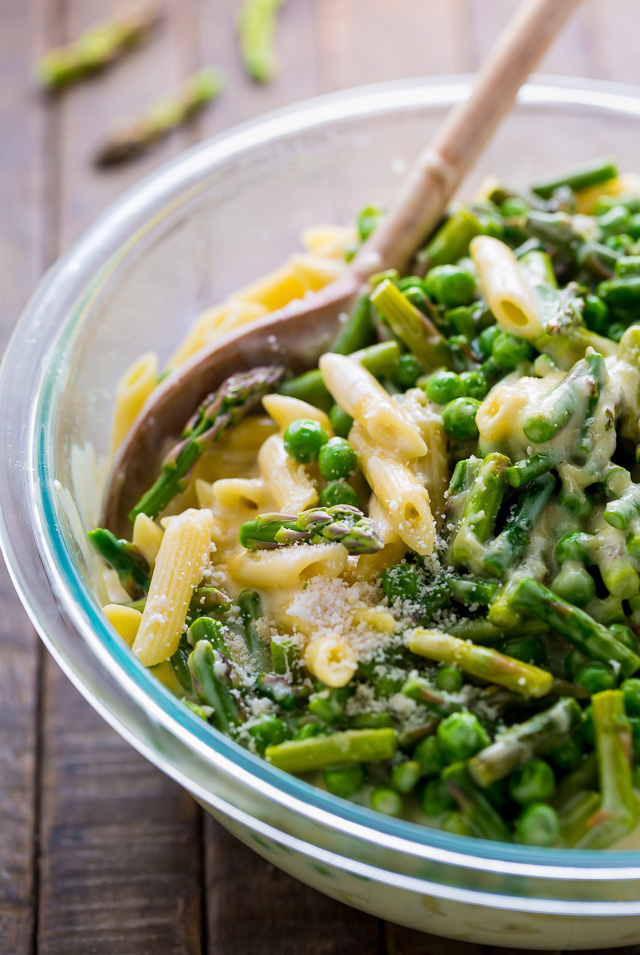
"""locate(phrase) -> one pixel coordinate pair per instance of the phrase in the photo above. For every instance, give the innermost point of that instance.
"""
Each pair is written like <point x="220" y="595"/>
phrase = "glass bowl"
<point x="206" y="224"/>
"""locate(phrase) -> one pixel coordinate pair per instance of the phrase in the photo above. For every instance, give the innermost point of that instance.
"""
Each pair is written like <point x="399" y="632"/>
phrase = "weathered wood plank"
<point x="120" y="843"/>
<point x="21" y="258"/>
<point x="254" y="907"/>
<point x="406" y="941"/>
<point x="120" y="856"/>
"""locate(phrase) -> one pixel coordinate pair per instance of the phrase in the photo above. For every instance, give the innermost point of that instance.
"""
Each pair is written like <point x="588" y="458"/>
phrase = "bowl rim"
<point x="175" y="183"/>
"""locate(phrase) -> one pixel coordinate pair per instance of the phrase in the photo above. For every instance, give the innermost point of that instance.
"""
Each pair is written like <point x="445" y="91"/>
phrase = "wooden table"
<point x="99" y="852"/>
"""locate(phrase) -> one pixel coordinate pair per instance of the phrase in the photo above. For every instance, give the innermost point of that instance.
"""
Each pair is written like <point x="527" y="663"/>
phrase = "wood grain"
<point x="21" y="261"/>
<point x="255" y="908"/>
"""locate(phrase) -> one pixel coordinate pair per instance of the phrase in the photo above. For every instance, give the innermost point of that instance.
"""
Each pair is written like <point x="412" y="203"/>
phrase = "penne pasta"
<point x="147" y="537"/>
<point x="357" y="391"/>
<point x="284" y="410"/>
<point x="182" y="559"/>
<point x="288" y="567"/>
<point x="132" y="391"/>
<point x="504" y="285"/>
<point x="404" y="499"/>
<point x="125" y="620"/>
<point x="286" y="481"/>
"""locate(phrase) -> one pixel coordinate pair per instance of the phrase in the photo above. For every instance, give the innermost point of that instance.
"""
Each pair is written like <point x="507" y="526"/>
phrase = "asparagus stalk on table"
<point x="96" y="49"/>
<point x="256" y="28"/>
<point x="165" y="116"/>
<point x="220" y="411"/>
<point x="535" y="737"/>
<point x="125" y="558"/>
<point x="341" y="524"/>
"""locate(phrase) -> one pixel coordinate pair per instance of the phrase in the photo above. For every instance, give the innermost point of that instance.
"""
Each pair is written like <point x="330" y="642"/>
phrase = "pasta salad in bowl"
<point x="376" y="603"/>
<point x="419" y="583"/>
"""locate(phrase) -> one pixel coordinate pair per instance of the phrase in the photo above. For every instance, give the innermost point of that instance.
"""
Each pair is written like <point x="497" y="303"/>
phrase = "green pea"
<point x="631" y="691"/>
<point x="459" y="418"/>
<point x="595" y="678"/>
<point x="596" y="313"/>
<point x="614" y="221"/>
<point x="405" y="776"/>
<point x="486" y="339"/>
<point x="462" y="321"/>
<point x="568" y="754"/>
<point x="575" y="584"/>
<point x="328" y="704"/>
<point x="514" y="206"/>
<point x="304" y="438"/>
<point x="337" y="459"/>
<point x="407" y="371"/>
<point x="444" y="386"/>
<point x="628" y="265"/>
<point x="338" y="492"/>
<point x="509" y="350"/>
<point x="533" y="783"/>
<point x="345" y="781"/>
<point x="387" y="801"/>
<point x="573" y="662"/>
<point x="311" y="729"/>
<point x="430" y="756"/>
<point x="620" y="243"/>
<point x="341" y="422"/>
<point x="435" y="799"/>
<point x="415" y="295"/>
<point x="449" y="679"/>
<point x="268" y="731"/>
<point x="527" y="649"/>
<point x="538" y="825"/>
<point x="461" y="735"/>
<point x="456" y="823"/>
<point x="400" y="582"/>
<point x="450" y="285"/>
<point x="475" y="384"/>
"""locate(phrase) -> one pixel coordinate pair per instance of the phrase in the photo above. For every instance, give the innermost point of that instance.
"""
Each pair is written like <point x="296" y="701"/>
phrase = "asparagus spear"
<point x="591" y="638"/>
<point x="250" y="605"/>
<point x="620" y="512"/>
<point x="256" y="28"/>
<point x="339" y="749"/>
<point x="528" y="469"/>
<point x="380" y="360"/>
<point x="451" y="241"/>
<point x="514" y="539"/>
<point x="342" y="524"/>
<point x="521" y="743"/>
<point x="485" y="821"/>
<point x="471" y="590"/>
<point x="580" y="177"/>
<point x="209" y="671"/>
<point x="480" y="630"/>
<point x="217" y="413"/>
<point x="558" y="229"/>
<point x="204" y="628"/>
<point x="556" y="408"/>
<point x="126" y="560"/>
<point x="165" y="116"/>
<point x="618" y="811"/>
<point x="481" y="509"/>
<point x="413" y="328"/>
<point x="483" y="662"/>
<point x="96" y="49"/>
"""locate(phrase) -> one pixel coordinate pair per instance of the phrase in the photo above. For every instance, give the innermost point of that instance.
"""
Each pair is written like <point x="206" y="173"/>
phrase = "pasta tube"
<point x="286" y="481"/>
<point x="288" y="567"/>
<point x="330" y="660"/>
<point x="404" y="499"/>
<point x="360" y="395"/>
<point x="181" y="561"/>
<point x="125" y="620"/>
<point x="505" y="287"/>
<point x="133" y="389"/>
<point x="284" y="410"/>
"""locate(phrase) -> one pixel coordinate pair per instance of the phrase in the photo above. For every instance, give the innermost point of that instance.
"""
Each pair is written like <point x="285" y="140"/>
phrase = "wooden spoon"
<point x="297" y="334"/>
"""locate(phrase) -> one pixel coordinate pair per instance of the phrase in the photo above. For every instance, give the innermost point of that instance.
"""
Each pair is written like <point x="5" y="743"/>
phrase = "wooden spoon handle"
<point x="441" y="167"/>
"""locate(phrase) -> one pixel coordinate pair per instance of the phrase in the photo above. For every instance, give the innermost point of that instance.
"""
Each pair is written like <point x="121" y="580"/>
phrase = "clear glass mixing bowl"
<point x="217" y="217"/>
